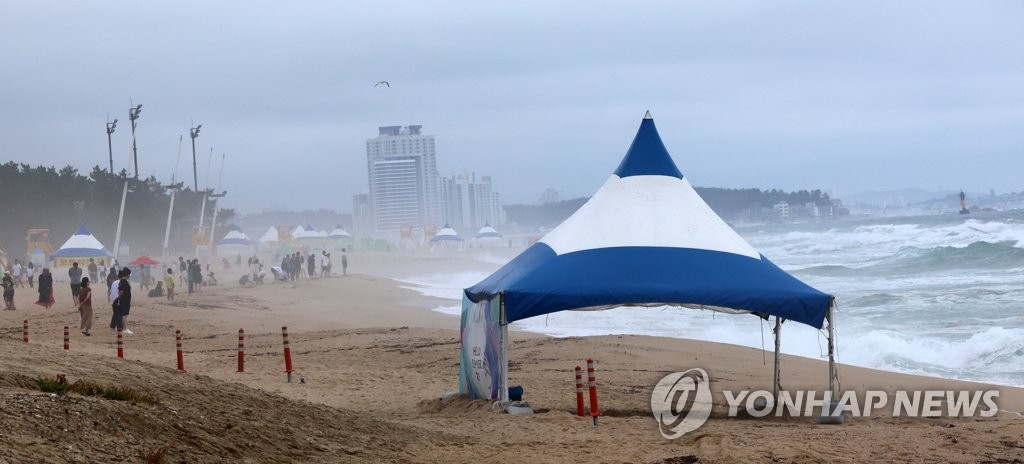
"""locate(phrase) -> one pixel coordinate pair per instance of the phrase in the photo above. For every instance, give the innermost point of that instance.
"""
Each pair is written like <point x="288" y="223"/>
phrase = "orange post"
<point x="579" y="392"/>
<point x="181" y="355"/>
<point x="592" y="383"/>
<point x="67" y="339"/>
<point x="120" y="343"/>
<point x="241" y="350"/>
<point x="287" y="353"/>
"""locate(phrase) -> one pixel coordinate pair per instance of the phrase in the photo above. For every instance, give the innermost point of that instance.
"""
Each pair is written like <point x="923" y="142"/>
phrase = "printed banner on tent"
<point x="481" y="348"/>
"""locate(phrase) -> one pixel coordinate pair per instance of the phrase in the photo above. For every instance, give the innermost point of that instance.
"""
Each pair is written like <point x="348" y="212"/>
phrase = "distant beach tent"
<point x="646" y="238"/>
<point x="487" y="232"/>
<point x="79" y="248"/>
<point x="144" y="261"/>
<point x="446" y="235"/>
<point x="339" y="234"/>
<point x="308" y="234"/>
<point x="235" y="242"/>
<point x="270" y="236"/>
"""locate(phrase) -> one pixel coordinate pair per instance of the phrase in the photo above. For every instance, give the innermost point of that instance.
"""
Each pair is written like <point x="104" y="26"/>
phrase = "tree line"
<point x="44" y="197"/>
<point x="727" y="203"/>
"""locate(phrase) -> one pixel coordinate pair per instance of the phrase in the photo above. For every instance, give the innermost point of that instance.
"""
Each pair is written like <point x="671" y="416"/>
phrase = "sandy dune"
<point x="375" y="361"/>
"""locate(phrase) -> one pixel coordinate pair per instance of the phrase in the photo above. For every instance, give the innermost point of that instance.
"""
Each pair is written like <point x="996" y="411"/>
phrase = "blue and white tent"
<point x="446" y="234"/>
<point x="487" y="232"/>
<point x="235" y="242"/>
<point x="81" y="246"/>
<point x="646" y="238"/>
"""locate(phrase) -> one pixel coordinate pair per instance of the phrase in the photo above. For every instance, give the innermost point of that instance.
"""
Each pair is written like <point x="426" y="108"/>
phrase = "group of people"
<point x="295" y="266"/>
<point x="18" y="271"/>
<point x="45" y="288"/>
<point x="119" y="293"/>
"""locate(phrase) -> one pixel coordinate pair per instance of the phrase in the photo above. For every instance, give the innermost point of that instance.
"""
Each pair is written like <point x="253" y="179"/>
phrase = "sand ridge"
<point x="376" y="361"/>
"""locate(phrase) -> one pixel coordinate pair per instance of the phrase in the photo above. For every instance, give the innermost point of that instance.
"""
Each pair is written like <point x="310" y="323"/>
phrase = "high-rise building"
<point x="469" y="203"/>
<point x="362" y="215"/>
<point x="402" y="169"/>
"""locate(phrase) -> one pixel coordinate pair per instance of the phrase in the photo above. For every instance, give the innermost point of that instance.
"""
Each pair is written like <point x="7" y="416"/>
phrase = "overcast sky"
<point x="848" y="96"/>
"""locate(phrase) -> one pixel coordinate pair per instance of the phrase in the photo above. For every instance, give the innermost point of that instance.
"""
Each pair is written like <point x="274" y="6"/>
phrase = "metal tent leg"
<point x="776" y="380"/>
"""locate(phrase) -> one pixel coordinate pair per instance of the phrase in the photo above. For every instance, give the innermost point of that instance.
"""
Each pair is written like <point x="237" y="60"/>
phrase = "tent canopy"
<point x="235" y="236"/>
<point x="82" y="244"/>
<point x="487" y="232"/>
<point x="144" y="261"/>
<point x="647" y="239"/>
<point x="446" y="234"/>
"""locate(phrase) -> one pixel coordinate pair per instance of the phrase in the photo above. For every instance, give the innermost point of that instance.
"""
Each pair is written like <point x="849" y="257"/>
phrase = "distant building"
<point x="549" y="195"/>
<point x="781" y="209"/>
<point x="404" y="188"/>
<point x="362" y="215"/>
<point x="468" y="202"/>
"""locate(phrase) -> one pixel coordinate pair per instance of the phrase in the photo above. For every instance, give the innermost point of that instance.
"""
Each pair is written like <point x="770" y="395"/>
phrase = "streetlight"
<point x="173" y="187"/>
<point x="195" y="176"/>
<point x="133" y="114"/>
<point x="110" y="147"/>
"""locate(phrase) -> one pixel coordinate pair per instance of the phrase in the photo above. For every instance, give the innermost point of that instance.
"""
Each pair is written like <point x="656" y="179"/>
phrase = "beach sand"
<point x="375" y="361"/>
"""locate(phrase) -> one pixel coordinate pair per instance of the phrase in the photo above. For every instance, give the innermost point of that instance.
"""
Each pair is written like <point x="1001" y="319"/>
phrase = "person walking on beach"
<point x="311" y="265"/>
<point x="45" y="289"/>
<point x="94" y="275"/>
<point x="30" y="271"/>
<point x="75" y="274"/>
<point x="8" y="285"/>
<point x="101" y="273"/>
<point x="85" y="306"/>
<point x="169" y="284"/>
<point x="122" y="303"/>
<point x="325" y="264"/>
<point x="16" y="273"/>
<point x="182" y="271"/>
<point x="344" y="262"/>
<point x="111" y="278"/>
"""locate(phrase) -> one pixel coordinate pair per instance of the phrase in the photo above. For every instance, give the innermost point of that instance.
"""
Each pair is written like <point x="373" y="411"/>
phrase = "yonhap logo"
<point x="681" y="402"/>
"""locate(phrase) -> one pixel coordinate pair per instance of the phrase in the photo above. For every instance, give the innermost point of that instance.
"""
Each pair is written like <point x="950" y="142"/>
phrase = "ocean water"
<point x="933" y="295"/>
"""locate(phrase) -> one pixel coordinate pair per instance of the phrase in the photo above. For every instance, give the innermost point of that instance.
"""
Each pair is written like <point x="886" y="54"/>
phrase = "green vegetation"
<point x="727" y="203"/>
<point x="60" y="386"/>
<point x="44" y="197"/>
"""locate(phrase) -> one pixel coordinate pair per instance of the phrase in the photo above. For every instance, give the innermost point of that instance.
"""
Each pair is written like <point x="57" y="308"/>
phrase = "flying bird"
<point x="383" y="82"/>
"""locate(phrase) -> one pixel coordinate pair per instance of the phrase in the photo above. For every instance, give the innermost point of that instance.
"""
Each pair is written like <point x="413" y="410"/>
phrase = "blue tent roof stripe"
<point x="647" y="156"/>
<point x="674" y="251"/>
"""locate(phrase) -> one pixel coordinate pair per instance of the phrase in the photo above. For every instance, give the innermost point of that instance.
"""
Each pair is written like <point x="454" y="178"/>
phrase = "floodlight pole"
<point x="111" y="126"/>
<point x="120" y="220"/>
<point x="133" y="115"/>
<point x="170" y="211"/>
<point x="213" y="224"/>
<point x="195" y="176"/>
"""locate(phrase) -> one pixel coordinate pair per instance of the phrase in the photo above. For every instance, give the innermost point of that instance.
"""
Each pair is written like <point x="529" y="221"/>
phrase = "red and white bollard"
<point x="67" y="339"/>
<point x="24" y="331"/>
<point x="592" y="383"/>
<point x="579" y="392"/>
<point x="120" y="343"/>
<point x="287" y="353"/>
<point x="181" y="355"/>
<point x="241" y="350"/>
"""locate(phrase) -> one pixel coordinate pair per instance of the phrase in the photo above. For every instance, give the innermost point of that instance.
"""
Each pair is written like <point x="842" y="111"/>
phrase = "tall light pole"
<point x="110" y="147"/>
<point x="213" y="224"/>
<point x="173" y="187"/>
<point x="195" y="176"/>
<point x="133" y="115"/>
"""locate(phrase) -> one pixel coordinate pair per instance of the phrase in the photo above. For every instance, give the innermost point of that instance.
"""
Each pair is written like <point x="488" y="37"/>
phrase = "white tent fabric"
<point x="270" y="236"/>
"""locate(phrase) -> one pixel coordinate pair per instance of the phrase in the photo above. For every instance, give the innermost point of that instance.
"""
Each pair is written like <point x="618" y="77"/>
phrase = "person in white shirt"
<point x="16" y="272"/>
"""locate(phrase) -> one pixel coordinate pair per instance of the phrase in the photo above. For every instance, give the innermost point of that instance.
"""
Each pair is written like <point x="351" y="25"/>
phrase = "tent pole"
<point x="503" y="381"/>
<point x="778" y="344"/>
<point x="830" y="317"/>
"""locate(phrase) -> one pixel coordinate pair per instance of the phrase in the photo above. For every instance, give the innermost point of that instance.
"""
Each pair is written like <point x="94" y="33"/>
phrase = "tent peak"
<point x="647" y="115"/>
<point x="647" y="155"/>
